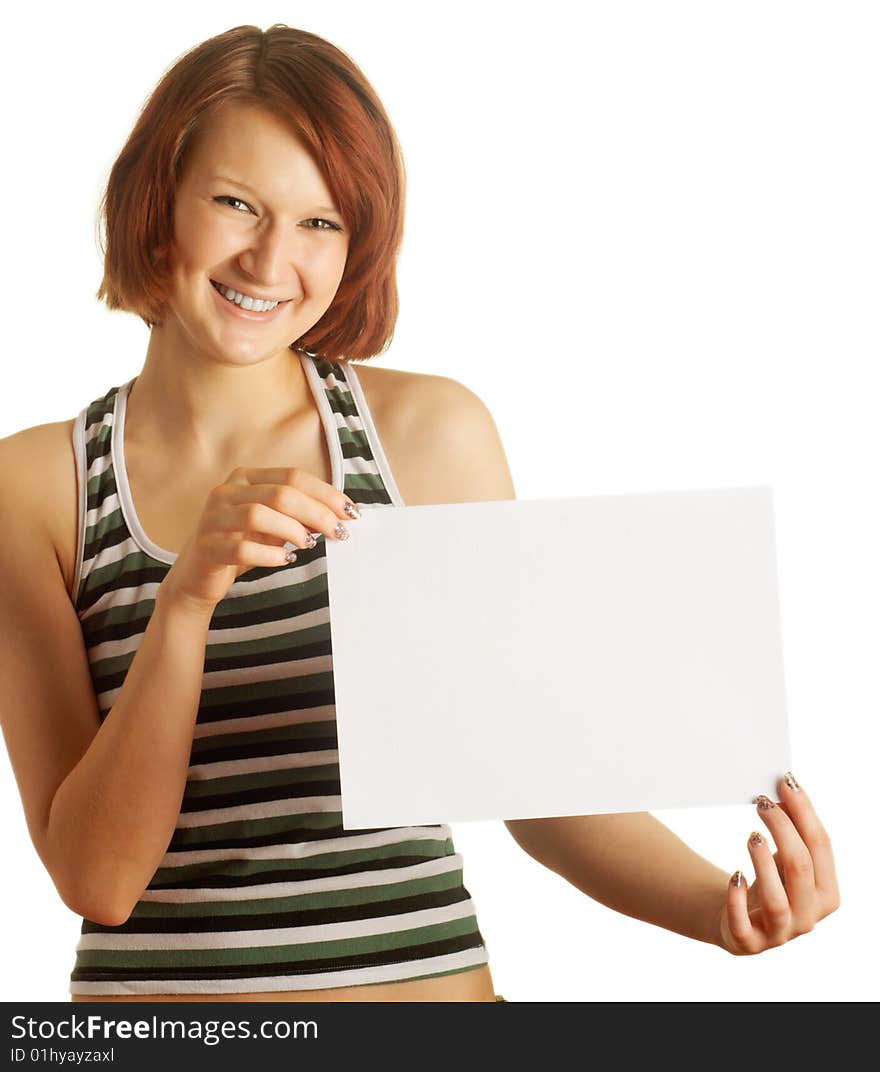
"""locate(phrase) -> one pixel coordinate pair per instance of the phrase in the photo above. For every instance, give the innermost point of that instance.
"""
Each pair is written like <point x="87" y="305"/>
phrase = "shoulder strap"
<point x="368" y="476"/>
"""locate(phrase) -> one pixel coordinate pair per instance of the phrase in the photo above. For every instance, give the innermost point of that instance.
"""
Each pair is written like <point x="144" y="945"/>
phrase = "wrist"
<point x="172" y="606"/>
<point x="716" y="931"/>
<point x="720" y="933"/>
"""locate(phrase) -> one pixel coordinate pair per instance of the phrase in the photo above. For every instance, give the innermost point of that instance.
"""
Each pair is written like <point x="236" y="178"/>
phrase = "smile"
<point x="246" y="301"/>
<point x="245" y="306"/>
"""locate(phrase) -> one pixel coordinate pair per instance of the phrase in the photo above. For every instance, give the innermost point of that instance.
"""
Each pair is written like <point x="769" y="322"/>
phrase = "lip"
<point x="247" y="314"/>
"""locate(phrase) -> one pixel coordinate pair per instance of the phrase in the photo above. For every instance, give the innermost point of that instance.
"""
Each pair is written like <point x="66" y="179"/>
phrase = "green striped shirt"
<point x="261" y="887"/>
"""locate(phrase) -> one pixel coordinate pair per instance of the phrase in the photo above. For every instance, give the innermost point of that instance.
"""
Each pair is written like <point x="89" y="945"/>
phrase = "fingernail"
<point x="352" y="510"/>
<point x="341" y="532"/>
<point x="290" y="557"/>
<point x="736" y="879"/>
<point x="790" y="781"/>
<point x="756" y="838"/>
<point x="311" y="540"/>
<point x="764" y="803"/>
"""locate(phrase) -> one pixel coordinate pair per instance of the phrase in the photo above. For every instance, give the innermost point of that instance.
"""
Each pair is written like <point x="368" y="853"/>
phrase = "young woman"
<point x="165" y="558"/>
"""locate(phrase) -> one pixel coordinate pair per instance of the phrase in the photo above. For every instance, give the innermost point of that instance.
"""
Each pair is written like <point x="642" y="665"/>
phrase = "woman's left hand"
<point x="793" y="889"/>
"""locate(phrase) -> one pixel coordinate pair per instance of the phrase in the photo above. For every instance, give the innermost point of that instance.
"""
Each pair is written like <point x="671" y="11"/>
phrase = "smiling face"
<point x="253" y="215"/>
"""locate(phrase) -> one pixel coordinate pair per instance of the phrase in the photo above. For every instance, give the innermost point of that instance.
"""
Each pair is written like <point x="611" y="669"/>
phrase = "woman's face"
<point x="252" y="213"/>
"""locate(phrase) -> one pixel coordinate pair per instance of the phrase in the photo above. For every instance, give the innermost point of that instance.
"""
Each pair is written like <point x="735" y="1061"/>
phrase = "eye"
<point x="228" y="197"/>
<point x="330" y="224"/>
<point x="327" y="225"/>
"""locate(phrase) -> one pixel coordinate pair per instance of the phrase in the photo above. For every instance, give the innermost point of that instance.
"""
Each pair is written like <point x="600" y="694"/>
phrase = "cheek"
<point x="321" y="271"/>
<point x="339" y="267"/>
<point x="196" y="242"/>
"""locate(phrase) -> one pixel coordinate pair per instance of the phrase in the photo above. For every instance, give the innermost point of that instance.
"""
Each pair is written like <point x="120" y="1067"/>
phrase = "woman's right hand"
<point x="245" y="523"/>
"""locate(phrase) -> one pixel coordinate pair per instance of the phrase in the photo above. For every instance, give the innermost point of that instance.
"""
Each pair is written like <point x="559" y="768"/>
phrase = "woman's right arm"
<point x="102" y="800"/>
<point x="112" y="818"/>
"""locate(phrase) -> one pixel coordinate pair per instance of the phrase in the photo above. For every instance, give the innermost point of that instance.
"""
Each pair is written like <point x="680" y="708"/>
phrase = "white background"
<point x="646" y="235"/>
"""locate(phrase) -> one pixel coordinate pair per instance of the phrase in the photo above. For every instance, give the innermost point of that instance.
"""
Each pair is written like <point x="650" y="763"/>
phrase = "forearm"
<point x="114" y="814"/>
<point x="634" y="864"/>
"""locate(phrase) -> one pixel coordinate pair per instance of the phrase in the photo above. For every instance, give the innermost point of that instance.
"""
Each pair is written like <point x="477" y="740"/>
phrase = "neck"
<point x="210" y="414"/>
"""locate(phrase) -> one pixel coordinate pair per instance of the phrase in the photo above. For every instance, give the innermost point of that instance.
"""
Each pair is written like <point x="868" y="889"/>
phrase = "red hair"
<point x="329" y="105"/>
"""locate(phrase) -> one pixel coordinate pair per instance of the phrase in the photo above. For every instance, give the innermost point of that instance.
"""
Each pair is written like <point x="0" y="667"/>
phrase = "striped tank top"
<point x="261" y="888"/>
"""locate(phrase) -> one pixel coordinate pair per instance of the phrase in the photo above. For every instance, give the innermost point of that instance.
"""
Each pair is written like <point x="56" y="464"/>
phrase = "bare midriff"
<point x="474" y="985"/>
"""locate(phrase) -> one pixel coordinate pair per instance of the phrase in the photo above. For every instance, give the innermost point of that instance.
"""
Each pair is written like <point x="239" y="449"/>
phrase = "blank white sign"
<point x="528" y="658"/>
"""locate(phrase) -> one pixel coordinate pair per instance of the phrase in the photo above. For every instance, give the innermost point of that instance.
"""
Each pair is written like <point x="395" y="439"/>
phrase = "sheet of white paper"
<point x="517" y="659"/>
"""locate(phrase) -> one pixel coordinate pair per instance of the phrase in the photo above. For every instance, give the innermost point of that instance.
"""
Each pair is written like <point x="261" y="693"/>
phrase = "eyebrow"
<point x="244" y="186"/>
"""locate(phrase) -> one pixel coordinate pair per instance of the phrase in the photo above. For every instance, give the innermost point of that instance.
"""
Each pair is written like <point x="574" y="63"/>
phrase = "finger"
<point x="288" y="499"/>
<point x="742" y="932"/>
<point x="775" y="909"/>
<point x="249" y="553"/>
<point x="800" y="810"/>
<point x="793" y="857"/>
<point x="260" y="551"/>
<point x="288" y="515"/>
<point x="301" y="479"/>
<point x="297" y="503"/>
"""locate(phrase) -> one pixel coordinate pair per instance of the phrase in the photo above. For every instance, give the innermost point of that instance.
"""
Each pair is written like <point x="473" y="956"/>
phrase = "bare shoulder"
<point x="39" y="481"/>
<point x="440" y="438"/>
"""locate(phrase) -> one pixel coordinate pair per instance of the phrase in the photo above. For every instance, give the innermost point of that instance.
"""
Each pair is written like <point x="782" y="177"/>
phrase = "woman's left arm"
<point x="628" y="861"/>
<point x="634" y="864"/>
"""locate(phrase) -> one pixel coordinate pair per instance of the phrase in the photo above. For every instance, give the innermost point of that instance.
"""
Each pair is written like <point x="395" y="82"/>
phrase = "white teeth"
<point x="244" y="300"/>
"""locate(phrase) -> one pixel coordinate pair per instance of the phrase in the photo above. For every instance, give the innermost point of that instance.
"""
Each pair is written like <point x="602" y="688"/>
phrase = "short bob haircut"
<point x="332" y="109"/>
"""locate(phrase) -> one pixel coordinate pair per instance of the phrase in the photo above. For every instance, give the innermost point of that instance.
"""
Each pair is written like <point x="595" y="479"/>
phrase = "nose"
<point x="275" y="260"/>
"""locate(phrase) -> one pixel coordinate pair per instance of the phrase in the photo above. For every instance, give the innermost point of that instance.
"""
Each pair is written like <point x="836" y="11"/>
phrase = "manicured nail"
<point x="736" y="879"/>
<point x="291" y="553"/>
<point x="756" y="838"/>
<point x="311" y="540"/>
<point x="790" y="781"/>
<point x="352" y="510"/>
<point x="341" y="532"/>
<point x="764" y="803"/>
